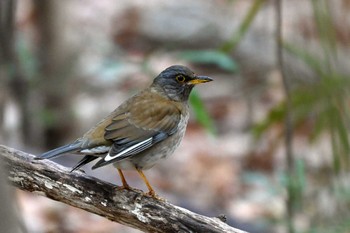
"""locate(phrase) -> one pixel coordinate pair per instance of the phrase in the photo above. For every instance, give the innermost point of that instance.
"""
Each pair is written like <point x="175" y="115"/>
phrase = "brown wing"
<point x="143" y="116"/>
<point x="141" y="122"/>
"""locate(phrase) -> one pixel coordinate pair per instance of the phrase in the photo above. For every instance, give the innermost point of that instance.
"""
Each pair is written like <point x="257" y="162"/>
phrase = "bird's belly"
<point x="148" y="158"/>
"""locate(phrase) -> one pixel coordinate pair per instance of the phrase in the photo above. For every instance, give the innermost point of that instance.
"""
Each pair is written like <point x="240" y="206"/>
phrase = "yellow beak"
<point x="200" y="79"/>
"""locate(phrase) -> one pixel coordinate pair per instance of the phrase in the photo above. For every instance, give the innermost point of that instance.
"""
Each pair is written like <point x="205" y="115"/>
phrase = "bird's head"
<point x="177" y="82"/>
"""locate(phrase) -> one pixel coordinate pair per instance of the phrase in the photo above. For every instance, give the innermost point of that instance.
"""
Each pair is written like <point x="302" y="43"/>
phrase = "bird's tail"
<point x="87" y="159"/>
<point x="73" y="147"/>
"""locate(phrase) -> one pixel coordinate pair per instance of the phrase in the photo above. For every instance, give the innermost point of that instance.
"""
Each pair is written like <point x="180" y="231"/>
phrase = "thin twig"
<point x="231" y="44"/>
<point x="288" y="117"/>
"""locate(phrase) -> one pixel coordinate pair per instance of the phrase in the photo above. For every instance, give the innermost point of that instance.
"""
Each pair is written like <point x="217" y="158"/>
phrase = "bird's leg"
<point x="150" y="189"/>
<point x="122" y="177"/>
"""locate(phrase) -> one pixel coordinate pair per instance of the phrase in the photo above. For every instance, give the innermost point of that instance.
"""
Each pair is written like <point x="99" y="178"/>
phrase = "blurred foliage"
<point x="28" y="61"/>
<point x="212" y="57"/>
<point x="341" y="225"/>
<point x="201" y="113"/>
<point x="221" y="58"/>
<point x="325" y="26"/>
<point x="325" y="104"/>
<point x="231" y="44"/>
<point x="296" y="184"/>
<point x="207" y="57"/>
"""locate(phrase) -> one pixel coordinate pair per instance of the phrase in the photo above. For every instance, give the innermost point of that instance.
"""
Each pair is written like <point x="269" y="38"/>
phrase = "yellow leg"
<point x="122" y="177"/>
<point x="150" y="189"/>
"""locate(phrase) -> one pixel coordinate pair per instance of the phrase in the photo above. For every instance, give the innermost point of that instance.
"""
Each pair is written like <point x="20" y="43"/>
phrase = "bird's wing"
<point x="141" y="125"/>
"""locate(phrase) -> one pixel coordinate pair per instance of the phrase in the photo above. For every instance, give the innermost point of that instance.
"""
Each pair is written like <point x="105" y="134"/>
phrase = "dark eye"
<point x="180" y="78"/>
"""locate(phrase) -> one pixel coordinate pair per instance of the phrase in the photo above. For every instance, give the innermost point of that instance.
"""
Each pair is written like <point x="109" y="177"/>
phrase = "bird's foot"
<point x="127" y="187"/>
<point x="155" y="196"/>
<point x="123" y="187"/>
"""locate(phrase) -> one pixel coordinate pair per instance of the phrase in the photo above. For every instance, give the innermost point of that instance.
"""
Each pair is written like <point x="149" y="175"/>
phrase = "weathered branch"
<point x="128" y="207"/>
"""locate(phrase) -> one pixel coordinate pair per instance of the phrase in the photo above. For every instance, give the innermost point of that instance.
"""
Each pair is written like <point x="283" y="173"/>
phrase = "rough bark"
<point x="9" y="221"/>
<point x="128" y="207"/>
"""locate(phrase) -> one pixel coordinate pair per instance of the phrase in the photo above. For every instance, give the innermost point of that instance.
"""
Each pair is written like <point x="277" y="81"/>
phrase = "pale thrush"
<point x="144" y="129"/>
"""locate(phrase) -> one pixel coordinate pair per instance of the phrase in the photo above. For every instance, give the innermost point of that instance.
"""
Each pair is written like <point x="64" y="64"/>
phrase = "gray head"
<point x="178" y="81"/>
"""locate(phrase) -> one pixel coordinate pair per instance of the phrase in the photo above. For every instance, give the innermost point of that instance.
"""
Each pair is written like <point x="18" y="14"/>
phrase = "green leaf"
<point x="276" y="115"/>
<point x="201" y="113"/>
<point x="213" y="57"/>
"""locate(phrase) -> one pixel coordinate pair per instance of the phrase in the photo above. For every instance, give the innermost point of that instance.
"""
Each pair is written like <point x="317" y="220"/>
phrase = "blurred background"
<point x="268" y="141"/>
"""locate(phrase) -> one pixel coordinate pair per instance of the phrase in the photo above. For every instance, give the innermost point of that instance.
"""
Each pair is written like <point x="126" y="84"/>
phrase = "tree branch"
<point x="128" y="207"/>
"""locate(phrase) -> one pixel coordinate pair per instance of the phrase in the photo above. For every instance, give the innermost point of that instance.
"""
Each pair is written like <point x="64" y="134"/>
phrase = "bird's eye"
<point x="180" y="78"/>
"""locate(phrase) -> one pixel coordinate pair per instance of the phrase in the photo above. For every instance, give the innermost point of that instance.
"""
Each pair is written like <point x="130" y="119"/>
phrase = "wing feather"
<point x="143" y="121"/>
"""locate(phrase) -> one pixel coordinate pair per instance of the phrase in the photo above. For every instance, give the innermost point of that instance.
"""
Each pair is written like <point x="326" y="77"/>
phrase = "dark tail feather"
<point x="87" y="159"/>
<point x="73" y="147"/>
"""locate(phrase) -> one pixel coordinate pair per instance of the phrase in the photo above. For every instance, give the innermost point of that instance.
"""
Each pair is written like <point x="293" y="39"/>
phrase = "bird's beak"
<point x="199" y="79"/>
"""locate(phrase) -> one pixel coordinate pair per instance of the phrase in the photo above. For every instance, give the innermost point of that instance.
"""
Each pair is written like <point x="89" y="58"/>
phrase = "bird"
<point x="143" y="130"/>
